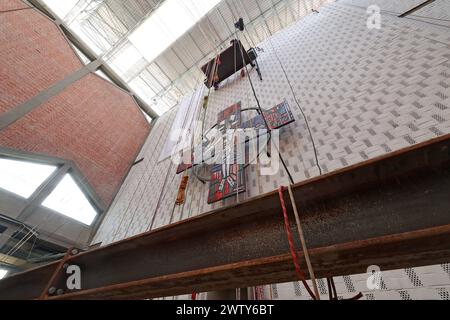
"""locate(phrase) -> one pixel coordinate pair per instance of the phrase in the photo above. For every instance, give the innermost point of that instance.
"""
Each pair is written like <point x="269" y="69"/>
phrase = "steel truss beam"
<point x="391" y="211"/>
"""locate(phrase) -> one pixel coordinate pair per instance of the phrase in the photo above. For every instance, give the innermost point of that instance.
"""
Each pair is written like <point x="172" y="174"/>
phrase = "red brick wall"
<point x="34" y="54"/>
<point x="93" y="123"/>
<point x="6" y="5"/>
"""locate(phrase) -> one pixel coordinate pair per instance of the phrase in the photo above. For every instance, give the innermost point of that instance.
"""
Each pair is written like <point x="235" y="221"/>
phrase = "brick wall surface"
<point x="34" y="54"/>
<point x="7" y="5"/>
<point x="93" y="123"/>
<point x="365" y="93"/>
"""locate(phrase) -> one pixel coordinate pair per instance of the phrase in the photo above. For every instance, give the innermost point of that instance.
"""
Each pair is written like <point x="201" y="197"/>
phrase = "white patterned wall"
<point x="365" y="93"/>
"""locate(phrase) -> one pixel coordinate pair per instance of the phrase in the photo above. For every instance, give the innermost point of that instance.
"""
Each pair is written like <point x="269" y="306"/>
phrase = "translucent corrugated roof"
<point x="157" y="46"/>
<point x="172" y="19"/>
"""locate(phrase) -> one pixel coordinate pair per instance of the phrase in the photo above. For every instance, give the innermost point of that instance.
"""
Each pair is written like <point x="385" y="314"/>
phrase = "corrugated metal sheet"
<point x="107" y="23"/>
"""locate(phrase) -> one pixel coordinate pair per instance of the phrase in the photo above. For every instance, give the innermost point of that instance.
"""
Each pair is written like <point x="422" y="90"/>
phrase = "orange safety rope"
<point x="287" y="228"/>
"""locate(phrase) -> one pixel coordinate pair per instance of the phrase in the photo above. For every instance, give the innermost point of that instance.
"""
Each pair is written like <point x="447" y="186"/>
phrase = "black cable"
<point x="210" y="83"/>
<point x="138" y="161"/>
<point x="260" y="108"/>
<point x="300" y="108"/>
<point x="304" y="116"/>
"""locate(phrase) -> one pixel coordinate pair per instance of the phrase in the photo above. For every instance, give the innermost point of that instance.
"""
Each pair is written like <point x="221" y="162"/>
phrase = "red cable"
<point x="287" y="228"/>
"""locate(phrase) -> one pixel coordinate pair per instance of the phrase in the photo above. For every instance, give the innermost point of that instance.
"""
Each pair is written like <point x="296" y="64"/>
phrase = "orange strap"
<point x="287" y="228"/>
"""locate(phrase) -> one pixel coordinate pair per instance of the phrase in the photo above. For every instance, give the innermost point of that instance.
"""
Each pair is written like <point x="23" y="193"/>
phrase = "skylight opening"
<point x="69" y="200"/>
<point x="168" y="23"/>
<point x="61" y="8"/>
<point x="21" y="177"/>
<point x="126" y="58"/>
<point x="3" y="273"/>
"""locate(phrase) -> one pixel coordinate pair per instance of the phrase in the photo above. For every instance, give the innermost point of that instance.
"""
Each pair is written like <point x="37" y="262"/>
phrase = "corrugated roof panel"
<point x="202" y="42"/>
<point x="273" y="20"/>
<point x="159" y="74"/>
<point x="252" y="9"/>
<point x="106" y="22"/>
<point x="142" y="89"/>
<point x="170" y="63"/>
<point x="125" y="12"/>
<point x="226" y="12"/>
<point x="260" y="29"/>
<point x="110" y="20"/>
<point x="285" y="12"/>
<point x="150" y="80"/>
<point x="220" y="28"/>
<point x="187" y="50"/>
<point x="127" y="61"/>
<point x="265" y="5"/>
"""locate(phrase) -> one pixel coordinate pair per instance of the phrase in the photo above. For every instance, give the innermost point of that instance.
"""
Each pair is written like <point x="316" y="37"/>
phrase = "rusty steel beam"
<point x="392" y="211"/>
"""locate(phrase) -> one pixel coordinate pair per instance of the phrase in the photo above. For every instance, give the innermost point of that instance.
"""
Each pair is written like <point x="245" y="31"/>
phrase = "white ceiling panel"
<point x="157" y="46"/>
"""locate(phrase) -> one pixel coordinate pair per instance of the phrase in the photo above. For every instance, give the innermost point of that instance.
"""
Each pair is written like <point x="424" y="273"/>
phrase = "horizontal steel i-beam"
<point x="392" y="211"/>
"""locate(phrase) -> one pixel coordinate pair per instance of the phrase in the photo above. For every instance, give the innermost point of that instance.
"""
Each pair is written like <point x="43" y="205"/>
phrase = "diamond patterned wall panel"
<point x="364" y="93"/>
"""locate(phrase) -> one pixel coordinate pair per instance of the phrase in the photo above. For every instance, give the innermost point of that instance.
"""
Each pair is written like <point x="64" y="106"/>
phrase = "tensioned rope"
<point x="287" y="229"/>
<point x="296" y="101"/>
<point x="261" y="111"/>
